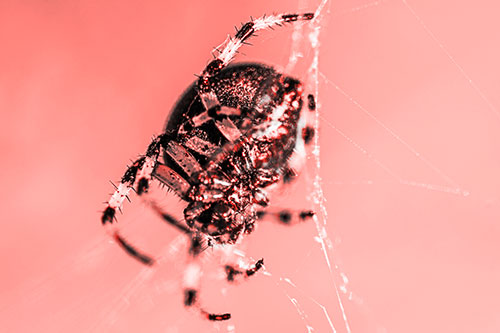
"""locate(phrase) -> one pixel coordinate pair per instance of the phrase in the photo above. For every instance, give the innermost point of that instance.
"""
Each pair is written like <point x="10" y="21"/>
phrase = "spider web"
<point x="305" y="285"/>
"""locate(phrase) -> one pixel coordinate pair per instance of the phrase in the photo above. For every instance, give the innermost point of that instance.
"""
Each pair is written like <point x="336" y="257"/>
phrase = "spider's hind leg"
<point x="191" y="281"/>
<point x="286" y="216"/>
<point x="308" y="131"/>
<point x="132" y="251"/>
<point x="232" y="272"/>
<point x="139" y="255"/>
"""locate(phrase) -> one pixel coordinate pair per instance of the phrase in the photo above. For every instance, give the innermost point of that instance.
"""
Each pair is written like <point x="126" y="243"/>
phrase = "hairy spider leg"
<point x="141" y="172"/>
<point x="232" y="44"/>
<point x="137" y="176"/>
<point x="229" y="49"/>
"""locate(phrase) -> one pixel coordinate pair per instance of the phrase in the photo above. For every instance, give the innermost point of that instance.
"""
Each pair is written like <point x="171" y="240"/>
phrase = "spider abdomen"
<point x="248" y="93"/>
<point x="236" y="86"/>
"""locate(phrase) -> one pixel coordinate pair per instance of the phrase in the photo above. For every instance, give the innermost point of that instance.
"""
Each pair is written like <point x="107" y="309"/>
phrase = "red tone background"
<point x="410" y="125"/>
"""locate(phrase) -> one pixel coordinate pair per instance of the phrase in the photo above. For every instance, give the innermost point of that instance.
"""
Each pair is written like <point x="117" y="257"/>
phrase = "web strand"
<point x="453" y="61"/>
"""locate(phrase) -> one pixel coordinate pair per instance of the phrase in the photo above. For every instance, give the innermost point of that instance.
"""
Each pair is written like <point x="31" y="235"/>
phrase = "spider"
<point x="237" y="130"/>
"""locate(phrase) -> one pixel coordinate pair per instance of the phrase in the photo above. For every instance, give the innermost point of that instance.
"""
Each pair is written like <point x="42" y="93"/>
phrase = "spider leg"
<point x="231" y="271"/>
<point x="308" y="131"/>
<point x="192" y="272"/>
<point x="132" y="251"/>
<point x="311" y="103"/>
<point x="305" y="135"/>
<point x="231" y="45"/>
<point x="191" y="282"/>
<point x="137" y="175"/>
<point x="142" y="171"/>
<point x="286" y="216"/>
<point x="236" y="141"/>
<point x="289" y="175"/>
<point x="228" y="50"/>
<point x="171" y="179"/>
<point x="170" y="219"/>
<point x="139" y="255"/>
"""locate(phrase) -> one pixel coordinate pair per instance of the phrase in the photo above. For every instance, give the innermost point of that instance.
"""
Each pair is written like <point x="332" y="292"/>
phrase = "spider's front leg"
<point x="138" y="174"/>
<point x="232" y="44"/>
<point x="226" y="54"/>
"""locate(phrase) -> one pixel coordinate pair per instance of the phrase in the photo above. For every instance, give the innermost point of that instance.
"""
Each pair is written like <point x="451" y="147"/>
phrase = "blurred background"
<point x="409" y="134"/>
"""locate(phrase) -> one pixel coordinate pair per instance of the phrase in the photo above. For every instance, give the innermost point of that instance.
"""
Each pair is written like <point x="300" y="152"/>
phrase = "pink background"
<point x="410" y="129"/>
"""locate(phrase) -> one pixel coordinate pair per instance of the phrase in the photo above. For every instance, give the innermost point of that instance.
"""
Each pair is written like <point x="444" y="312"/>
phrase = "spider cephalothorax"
<point x="230" y="136"/>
